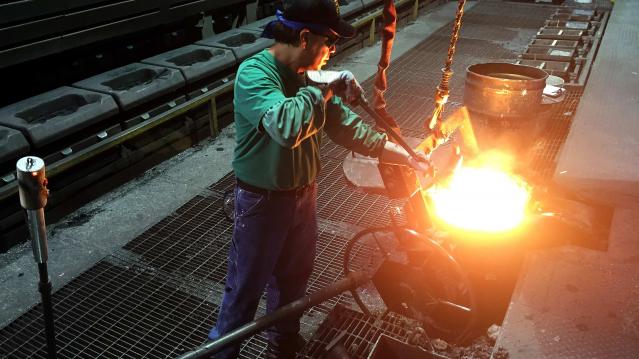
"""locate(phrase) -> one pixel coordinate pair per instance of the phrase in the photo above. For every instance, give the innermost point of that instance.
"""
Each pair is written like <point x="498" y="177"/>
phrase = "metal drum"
<point x="505" y="104"/>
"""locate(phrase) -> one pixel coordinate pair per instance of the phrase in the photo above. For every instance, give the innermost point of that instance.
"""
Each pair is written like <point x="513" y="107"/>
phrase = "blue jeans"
<point x="273" y="243"/>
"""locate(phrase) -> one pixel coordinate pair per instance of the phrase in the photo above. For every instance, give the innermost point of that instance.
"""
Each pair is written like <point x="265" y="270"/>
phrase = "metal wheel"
<point x="414" y="276"/>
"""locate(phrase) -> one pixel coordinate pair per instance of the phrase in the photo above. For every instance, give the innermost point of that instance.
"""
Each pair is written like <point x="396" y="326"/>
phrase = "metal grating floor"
<point x="331" y="243"/>
<point x="116" y="309"/>
<point x="514" y="16"/>
<point x="161" y="300"/>
<point x="544" y="152"/>
<point x="193" y="242"/>
<point x="225" y="184"/>
<point x="363" y="332"/>
<point x="337" y="201"/>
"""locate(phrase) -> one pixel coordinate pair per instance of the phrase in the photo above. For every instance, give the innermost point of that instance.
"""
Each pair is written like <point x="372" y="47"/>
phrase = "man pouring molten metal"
<point x="279" y="121"/>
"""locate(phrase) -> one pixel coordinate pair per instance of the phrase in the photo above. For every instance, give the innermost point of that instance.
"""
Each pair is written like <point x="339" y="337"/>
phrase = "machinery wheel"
<point x="427" y="282"/>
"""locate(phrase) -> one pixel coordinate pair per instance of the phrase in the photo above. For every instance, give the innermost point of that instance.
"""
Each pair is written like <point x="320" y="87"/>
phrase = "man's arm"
<point x="347" y="129"/>
<point x="287" y="120"/>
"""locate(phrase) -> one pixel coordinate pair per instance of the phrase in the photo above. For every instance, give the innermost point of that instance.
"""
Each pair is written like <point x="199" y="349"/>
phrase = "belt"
<point x="270" y="193"/>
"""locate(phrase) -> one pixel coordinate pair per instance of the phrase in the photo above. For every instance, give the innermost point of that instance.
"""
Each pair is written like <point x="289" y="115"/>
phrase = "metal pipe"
<point x="351" y="281"/>
<point x="32" y="187"/>
<point x="44" y="287"/>
<point x="38" y="232"/>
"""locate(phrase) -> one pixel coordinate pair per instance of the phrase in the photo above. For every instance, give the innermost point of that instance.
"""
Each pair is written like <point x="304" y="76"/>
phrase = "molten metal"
<point x="484" y="198"/>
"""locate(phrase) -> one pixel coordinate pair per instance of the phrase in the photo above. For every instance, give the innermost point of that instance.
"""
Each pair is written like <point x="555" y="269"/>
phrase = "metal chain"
<point x="441" y="95"/>
<point x="455" y="35"/>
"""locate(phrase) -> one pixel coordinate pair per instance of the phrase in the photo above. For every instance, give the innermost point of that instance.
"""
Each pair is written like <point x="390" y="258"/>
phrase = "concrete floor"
<point x="101" y="227"/>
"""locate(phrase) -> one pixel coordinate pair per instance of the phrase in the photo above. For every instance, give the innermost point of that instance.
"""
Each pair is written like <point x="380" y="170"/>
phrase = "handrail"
<point x="119" y="138"/>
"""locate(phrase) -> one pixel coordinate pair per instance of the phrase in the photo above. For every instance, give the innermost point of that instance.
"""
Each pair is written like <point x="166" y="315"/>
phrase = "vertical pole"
<point x="415" y="9"/>
<point x="44" y="286"/>
<point x="213" y="117"/>
<point x="32" y="187"/>
<point x="371" y="33"/>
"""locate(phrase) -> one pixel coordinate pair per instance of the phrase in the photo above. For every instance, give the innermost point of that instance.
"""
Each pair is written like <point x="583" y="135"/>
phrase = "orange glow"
<point x="482" y="196"/>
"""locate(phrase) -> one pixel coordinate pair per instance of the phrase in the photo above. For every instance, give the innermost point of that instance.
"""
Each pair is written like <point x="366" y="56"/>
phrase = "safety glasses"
<point x="331" y="40"/>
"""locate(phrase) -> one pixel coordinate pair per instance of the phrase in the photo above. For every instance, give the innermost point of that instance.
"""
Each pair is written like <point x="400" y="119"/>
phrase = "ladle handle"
<point x="389" y="129"/>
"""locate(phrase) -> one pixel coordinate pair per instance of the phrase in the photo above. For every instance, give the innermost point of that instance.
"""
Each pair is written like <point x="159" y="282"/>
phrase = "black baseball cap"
<point x="322" y="15"/>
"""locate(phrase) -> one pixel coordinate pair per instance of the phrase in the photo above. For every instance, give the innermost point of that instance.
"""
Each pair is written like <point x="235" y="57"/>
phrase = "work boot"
<point x="285" y="348"/>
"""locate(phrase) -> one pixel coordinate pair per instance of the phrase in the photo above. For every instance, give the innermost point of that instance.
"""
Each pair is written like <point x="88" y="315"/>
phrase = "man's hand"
<point x="421" y="164"/>
<point x="347" y="87"/>
<point x="339" y="83"/>
<point x="394" y="153"/>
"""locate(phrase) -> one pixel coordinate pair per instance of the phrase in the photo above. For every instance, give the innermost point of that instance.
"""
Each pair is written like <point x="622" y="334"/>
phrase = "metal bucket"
<point x="505" y="104"/>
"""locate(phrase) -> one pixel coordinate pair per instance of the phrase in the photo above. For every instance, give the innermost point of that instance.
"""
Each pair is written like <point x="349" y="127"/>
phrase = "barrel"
<point x="505" y="104"/>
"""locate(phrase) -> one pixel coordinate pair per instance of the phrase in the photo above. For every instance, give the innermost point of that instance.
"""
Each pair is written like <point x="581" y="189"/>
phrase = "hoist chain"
<point x="441" y="95"/>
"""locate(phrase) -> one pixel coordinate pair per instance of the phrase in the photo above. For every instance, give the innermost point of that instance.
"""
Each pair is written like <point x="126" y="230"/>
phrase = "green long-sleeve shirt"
<point x="279" y="123"/>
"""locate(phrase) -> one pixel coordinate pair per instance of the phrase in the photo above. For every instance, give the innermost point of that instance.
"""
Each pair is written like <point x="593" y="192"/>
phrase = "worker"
<point x="279" y="121"/>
